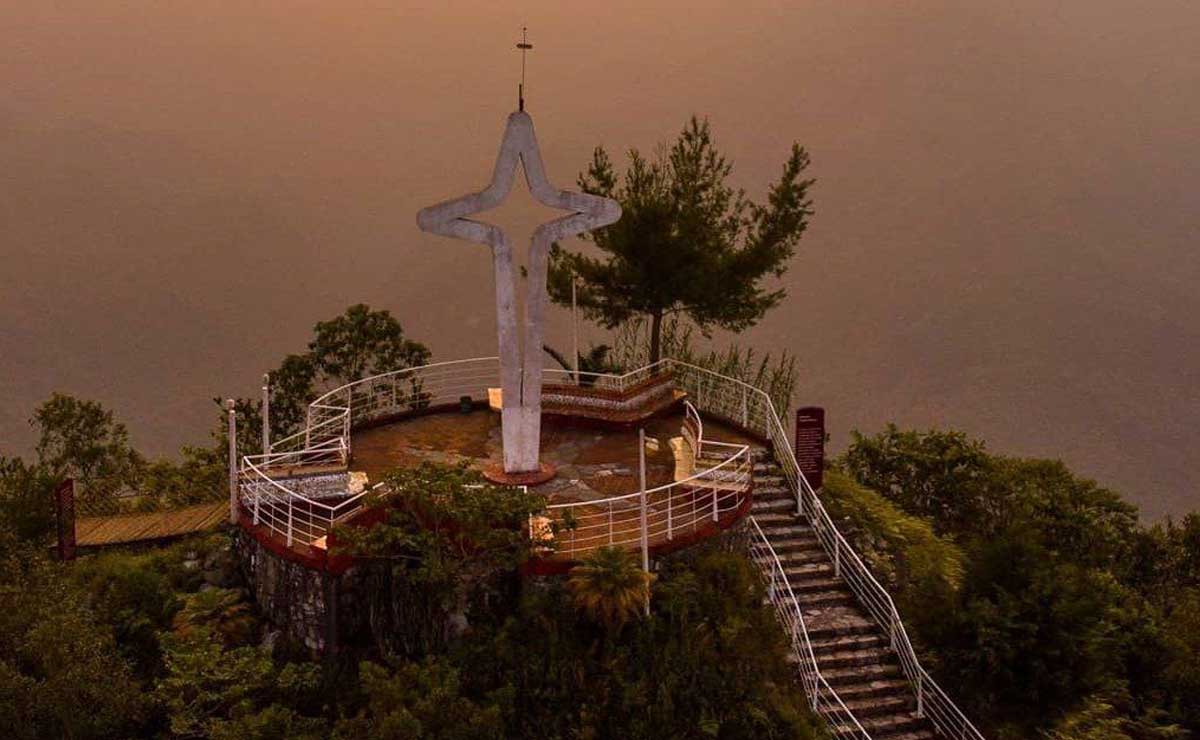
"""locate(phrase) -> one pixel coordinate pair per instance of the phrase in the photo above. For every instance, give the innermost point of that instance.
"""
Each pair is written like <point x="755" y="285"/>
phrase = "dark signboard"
<point x="64" y="510"/>
<point x="810" y="444"/>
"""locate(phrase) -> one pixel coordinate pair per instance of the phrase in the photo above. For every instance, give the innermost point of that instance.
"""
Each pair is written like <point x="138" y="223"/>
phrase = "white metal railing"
<point x="823" y="698"/>
<point x="732" y="399"/>
<point x="671" y="510"/>
<point x="284" y="489"/>
<point x="606" y="381"/>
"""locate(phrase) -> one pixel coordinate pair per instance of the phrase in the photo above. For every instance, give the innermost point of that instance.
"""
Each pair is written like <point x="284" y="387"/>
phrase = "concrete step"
<point x="889" y="726"/>
<point x="802" y="588"/>
<point x="854" y="658"/>
<point x="801" y="555"/>
<point x="762" y="505"/>
<point x="798" y="541"/>
<point x="797" y="573"/>
<point x="879" y="706"/>
<point x="861" y="675"/>
<point x="808" y="571"/>
<point x="835" y="643"/>
<point x="925" y="733"/>
<point x="807" y="541"/>
<point x="838" y="621"/>
<point x="769" y="491"/>
<point x="823" y="599"/>
<point x="882" y="687"/>
<point x="773" y="518"/>
<point x="778" y="531"/>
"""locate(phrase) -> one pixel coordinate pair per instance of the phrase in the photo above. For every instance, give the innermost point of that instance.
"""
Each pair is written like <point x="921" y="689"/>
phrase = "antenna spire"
<point x="524" y="46"/>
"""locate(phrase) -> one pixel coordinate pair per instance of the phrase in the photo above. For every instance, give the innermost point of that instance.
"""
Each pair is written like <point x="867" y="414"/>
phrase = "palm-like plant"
<point x="610" y="587"/>
<point x="597" y="361"/>
<point x="220" y="609"/>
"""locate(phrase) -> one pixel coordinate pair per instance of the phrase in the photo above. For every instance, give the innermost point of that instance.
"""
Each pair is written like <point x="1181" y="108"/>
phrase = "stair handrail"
<point x="787" y="609"/>
<point x="718" y="395"/>
<point x="932" y="701"/>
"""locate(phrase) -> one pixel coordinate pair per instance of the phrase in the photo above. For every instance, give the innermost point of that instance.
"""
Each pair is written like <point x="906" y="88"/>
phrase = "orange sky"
<point x="1005" y="238"/>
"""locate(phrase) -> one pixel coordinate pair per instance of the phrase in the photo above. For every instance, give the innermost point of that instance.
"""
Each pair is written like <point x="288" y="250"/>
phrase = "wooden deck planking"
<point x="112" y="530"/>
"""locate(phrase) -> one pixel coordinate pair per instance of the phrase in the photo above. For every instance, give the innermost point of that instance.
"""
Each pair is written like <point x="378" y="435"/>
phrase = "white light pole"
<point x="266" y="414"/>
<point x="642" y="487"/>
<point x="574" y="330"/>
<point x="233" y="488"/>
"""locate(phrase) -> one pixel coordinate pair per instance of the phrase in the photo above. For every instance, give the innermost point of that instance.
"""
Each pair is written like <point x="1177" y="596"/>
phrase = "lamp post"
<point x="642" y="488"/>
<point x="233" y="487"/>
<point x="266" y="414"/>
<point x="574" y="331"/>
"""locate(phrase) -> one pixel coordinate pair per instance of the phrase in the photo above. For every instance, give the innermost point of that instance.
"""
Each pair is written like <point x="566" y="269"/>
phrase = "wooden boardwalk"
<point x="114" y="530"/>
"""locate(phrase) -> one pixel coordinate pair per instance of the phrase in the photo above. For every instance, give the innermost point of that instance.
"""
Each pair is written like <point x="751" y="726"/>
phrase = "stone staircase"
<point x="852" y="651"/>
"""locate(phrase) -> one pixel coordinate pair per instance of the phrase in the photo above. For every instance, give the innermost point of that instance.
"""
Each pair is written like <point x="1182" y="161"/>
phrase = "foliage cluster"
<point x="775" y="374"/>
<point x="359" y="343"/>
<point x="688" y="243"/>
<point x="448" y="541"/>
<point x="921" y="570"/>
<point x="153" y="649"/>
<point x="1070" y="619"/>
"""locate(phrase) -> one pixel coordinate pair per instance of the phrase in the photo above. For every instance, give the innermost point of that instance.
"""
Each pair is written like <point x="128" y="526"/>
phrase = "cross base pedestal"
<point x="494" y="472"/>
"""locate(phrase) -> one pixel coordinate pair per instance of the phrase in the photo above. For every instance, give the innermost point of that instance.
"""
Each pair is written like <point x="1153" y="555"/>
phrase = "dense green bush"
<point x="920" y="569"/>
<point x="1071" y="620"/>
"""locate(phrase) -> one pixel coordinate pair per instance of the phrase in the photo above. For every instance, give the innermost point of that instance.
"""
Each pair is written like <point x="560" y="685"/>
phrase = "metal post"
<point x="670" y="518"/>
<point x="610" y="522"/>
<point x="920" y="697"/>
<point x="291" y="500"/>
<point x="266" y="414"/>
<point x="645" y="531"/>
<point x="837" y="558"/>
<point x="574" y="331"/>
<point x="642" y="488"/>
<point x="233" y="477"/>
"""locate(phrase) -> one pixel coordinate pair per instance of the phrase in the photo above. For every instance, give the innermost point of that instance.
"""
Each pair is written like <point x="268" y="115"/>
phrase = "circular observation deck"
<point x="698" y="463"/>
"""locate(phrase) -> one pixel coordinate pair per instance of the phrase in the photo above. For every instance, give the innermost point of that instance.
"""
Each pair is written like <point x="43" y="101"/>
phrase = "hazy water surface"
<point x="1005" y="239"/>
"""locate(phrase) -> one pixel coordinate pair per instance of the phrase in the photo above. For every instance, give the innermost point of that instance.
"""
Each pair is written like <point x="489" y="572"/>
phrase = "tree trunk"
<point x="655" y="337"/>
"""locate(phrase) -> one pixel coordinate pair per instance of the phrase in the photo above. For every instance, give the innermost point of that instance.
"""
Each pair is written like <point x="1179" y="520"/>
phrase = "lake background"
<point x="1005" y="238"/>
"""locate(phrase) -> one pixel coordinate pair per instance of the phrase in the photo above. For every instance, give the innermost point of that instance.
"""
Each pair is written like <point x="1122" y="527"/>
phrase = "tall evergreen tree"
<point x="687" y="242"/>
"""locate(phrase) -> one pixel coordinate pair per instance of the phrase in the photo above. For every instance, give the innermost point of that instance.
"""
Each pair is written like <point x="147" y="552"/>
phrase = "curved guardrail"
<point x="674" y="509"/>
<point x="325" y="444"/>
<point x="298" y="489"/>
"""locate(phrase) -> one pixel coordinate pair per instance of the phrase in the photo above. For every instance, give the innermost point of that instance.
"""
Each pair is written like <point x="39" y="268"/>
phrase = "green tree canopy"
<point x="688" y="242"/>
<point x="363" y="342"/>
<point x="81" y="439"/>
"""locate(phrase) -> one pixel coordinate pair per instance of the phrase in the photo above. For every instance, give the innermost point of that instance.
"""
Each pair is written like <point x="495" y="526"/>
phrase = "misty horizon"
<point x="1004" y="238"/>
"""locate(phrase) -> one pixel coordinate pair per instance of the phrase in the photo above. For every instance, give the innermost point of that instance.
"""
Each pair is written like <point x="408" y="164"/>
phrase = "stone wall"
<point x="296" y="598"/>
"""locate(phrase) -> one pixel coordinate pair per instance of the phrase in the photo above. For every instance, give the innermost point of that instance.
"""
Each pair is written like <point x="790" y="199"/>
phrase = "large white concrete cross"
<point x="520" y="379"/>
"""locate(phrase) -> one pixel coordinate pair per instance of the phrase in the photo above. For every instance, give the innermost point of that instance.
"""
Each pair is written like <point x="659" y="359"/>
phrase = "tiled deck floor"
<point x="592" y="462"/>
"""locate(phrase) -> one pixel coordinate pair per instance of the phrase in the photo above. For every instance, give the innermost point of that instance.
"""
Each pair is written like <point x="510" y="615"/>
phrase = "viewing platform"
<point x="698" y="464"/>
<point x="715" y="453"/>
